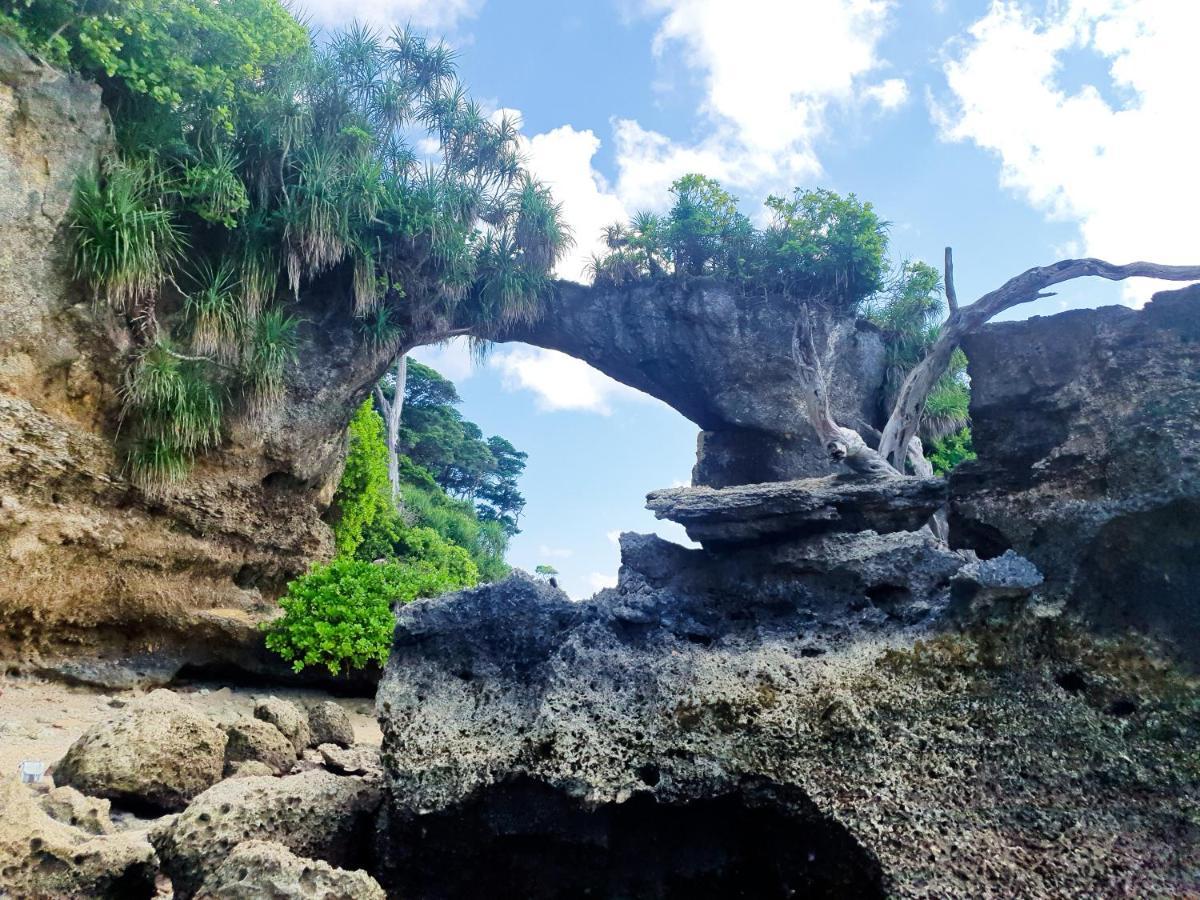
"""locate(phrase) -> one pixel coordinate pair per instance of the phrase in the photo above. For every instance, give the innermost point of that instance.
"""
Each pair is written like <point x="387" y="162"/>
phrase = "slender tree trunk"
<point x="391" y="416"/>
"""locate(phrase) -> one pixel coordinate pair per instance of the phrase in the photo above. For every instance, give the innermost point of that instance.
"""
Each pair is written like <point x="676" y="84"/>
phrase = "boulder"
<point x="155" y="754"/>
<point x="259" y="869"/>
<point x="329" y="723"/>
<point x="998" y="587"/>
<point x="251" y="768"/>
<point x="803" y="508"/>
<point x="1087" y="430"/>
<point x="315" y="814"/>
<point x="253" y="740"/>
<point x="45" y="858"/>
<point x="357" y="760"/>
<point x="289" y="718"/>
<point x="67" y="805"/>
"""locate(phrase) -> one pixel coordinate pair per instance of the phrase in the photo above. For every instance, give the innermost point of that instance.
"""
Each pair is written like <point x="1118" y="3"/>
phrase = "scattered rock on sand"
<point x="250" y="768"/>
<point x="357" y="760"/>
<point x="288" y="718"/>
<point x="257" y="869"/>
<point x="158" y="753"/>
<point x="43" y="857"/>
<point x="314" y="814"/>
<point x="258" y="741"/>
<point x="330" y="724"/>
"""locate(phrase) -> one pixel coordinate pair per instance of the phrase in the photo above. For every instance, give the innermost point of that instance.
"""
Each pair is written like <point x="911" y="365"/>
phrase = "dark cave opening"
<point x="525" y="839"/>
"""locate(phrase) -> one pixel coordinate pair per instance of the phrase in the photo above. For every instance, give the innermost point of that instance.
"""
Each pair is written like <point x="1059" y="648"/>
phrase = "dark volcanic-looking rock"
<point x="1087" y="426"/>
<point x="769" y="724"/>
<point x="801" y="508"/>
<point x="724" y="360"/>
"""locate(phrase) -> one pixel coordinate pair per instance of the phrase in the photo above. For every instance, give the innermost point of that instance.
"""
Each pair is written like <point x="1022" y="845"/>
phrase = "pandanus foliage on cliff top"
<point x="267" y="162"/>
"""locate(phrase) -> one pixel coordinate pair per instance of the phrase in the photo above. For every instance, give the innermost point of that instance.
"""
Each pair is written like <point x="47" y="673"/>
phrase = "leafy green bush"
<point x="340" y="615"/>
<point x="818" y="246"/>
<point x="951" y="450"/>
<point x="364" y="494"/>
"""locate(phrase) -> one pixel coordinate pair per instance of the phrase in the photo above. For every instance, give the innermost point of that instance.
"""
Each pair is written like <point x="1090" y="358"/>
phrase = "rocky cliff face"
<point x="1087" y="426"/>
<point x="723" y="360"/>
<point x="98" y="580"/>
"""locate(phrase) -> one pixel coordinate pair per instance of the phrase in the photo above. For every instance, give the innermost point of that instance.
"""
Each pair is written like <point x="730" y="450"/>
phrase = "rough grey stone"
<point x="315" y="814"/>
<point x="357" y="760"/>
<point x="721" y="358"/>
<point x="258" y="741"/>
<point x="330" y="724"/>
<point x="156" y="753"/>
<point x="993" y="588"/>
<point x="747" y="514"/>
<point x="289" y="718"/>
<point x="265" y="869"/>
<point x="1087" y="429"/>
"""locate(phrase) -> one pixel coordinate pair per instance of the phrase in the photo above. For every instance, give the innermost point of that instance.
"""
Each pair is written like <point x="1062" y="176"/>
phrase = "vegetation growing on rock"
<point x="254" y="162"/>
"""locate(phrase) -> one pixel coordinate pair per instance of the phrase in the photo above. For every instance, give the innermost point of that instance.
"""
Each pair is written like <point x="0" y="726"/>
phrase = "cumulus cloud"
<point x="1112" y="157"/>
<point x="562" y="158"/>
<point x="560" y="382"/>
<point x="426" y="15"/>
<point x="452" y="359"/>
<point x="598" y="581"/>
<point x="770" y="71"/>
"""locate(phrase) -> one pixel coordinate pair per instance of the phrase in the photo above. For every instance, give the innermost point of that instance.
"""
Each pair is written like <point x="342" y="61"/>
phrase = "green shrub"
<point x="951" y="450"/>
<point x="364" y="493"/>
<point x="340" y="615"/>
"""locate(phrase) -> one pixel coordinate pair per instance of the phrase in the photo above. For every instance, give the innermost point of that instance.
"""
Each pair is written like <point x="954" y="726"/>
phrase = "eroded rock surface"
<point x="157" y="754"/>
<point x="805" y="507"/>
<point x="792" y="721"/>
<point x="314" y="814"/>
<point x="253" y="740"/>
<point x="1087" y="426"/>
<point x="724" y="360"/>
<point x="329" y="723"/>
<point x="44" y="857"/>
<point x="264" y="869"/>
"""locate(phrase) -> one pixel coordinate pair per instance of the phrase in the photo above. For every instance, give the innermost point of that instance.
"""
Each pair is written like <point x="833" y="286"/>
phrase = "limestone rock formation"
<point x="65" y="804"/>
<point x="682" y="736"/>
<point x="264" y="869"/>
<point x="288" y="718"/>
<point x="43" y="857"/>
<point x="103" y="583"/>
<point x="358" y="760"/>
<point x="724" y="361"/>
<point x="253" y="740"/>
<point x="329" y="723"/>
<point x="315" y="814"/>
<point x="1087" y="426"/>
<point x="802" y="508"/>
<point x="157" y="754"/>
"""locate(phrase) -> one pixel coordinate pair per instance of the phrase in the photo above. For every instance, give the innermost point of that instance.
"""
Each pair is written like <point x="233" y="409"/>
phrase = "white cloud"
<point x="770" y="70"/>
<point x="452" y="359"/>
<point x="614" y="536"/>
<point x="559" y="381"/>
<point x="889" y="94"/>
<point x="598" y="581"/>
<point x="562" y="158"/>
<point x="1120" y="168"/>
<point x="547" y="552"/>
<point x="426" y="15"/>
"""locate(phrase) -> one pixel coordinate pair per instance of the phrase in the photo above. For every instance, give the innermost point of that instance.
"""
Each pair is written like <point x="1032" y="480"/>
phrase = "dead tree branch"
<point x="1028" y="286"/>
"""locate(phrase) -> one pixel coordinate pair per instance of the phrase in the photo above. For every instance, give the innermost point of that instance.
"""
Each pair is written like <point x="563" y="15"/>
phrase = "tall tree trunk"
<point x="391" y="416"/>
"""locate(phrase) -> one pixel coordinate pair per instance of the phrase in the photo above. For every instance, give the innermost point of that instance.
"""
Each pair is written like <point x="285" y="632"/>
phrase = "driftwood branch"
<point x="1028" y="286"/>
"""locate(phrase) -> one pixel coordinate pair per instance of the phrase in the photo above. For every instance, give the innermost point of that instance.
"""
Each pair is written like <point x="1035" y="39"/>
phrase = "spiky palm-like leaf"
<point x="212" y="310"/>
<point x="271" y="348"/>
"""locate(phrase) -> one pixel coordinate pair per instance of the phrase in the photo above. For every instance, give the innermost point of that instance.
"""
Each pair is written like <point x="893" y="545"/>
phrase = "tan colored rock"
<point x="314" y="814"/>
<point x="289" y="718"/>
<point x="357" y="760"/>
<point x="42" y="858"/>
<point x="158" y="753"/>
<point x="251" y="768"/>
<point x="258" y="869"/>
<point x="253" y="740"/>
<point x="67" y="805"/>
<point x="330" y="724"/>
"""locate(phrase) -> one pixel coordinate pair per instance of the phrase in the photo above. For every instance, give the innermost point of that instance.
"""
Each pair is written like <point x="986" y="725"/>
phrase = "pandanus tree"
<point x="363" y="161"/>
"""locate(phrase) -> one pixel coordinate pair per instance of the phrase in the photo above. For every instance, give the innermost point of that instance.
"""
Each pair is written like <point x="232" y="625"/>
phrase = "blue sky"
<point x="1020" y="132"/>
